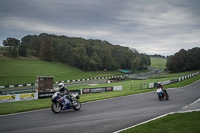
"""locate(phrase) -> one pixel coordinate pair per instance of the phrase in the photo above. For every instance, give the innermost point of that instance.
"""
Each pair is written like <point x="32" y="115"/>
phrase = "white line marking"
<point x="191" y="103"/>
<point x="23" y="112"/>
<point x="144" y="122"/>
<point x="187" y="111"/>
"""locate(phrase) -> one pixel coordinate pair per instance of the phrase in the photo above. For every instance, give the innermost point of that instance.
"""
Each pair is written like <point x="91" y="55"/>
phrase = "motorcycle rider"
<point x="161" y="86"/>
<point x="62" y="89"/>
<point x="65" y="92"/>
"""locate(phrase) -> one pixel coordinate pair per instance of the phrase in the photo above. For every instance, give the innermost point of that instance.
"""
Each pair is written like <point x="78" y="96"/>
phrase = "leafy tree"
<point x="22" y="50"/>
<point x="157" y="56"/>
<point x="35" y="45"/>
<point x="32" y="43"/>
<point x="109" y="63"/>
<point x="193" y="59"/>
<point x="85" y="54"/>
<point x="46" y="49"/>
<point x="145" y="61"/>
<point x="134" y="59"/>
<point x="135" y="63"/>
<point x="169" y="63"/>
<point x="80" y="57"/>
<point x="13" y="44"/>
<point x="95" y="62"/>
<point x="184" y="60"/>
<point x="179" y="61"/>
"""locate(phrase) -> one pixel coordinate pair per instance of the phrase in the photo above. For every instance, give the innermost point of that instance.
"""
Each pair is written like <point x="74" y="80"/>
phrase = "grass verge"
<point x="173" y="123"/>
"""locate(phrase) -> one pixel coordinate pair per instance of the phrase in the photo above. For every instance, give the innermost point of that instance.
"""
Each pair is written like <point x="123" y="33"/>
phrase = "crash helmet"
<point x="159" y="85"/>
<point x="61" y="86"/>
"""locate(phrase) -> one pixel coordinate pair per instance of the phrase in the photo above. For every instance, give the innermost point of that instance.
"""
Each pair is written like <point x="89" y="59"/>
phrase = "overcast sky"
<point x="150" y="26"/>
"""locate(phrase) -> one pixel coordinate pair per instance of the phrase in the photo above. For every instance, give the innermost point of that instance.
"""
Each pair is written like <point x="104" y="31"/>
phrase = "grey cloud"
<point x="150" y="26"/>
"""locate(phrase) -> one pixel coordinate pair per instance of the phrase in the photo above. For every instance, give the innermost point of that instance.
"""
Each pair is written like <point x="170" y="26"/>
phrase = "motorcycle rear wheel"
<point x="167" y="96"/>
<point x="56" y="107"/>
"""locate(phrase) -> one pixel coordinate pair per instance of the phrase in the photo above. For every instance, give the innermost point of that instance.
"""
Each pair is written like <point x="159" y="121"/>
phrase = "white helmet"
<point x="61" y="85"/>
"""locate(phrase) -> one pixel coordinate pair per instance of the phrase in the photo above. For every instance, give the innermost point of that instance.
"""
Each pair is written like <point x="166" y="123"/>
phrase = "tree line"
<point x="184" y="60"/>
<point x="86" y="54"/>
<point x="157" y="56"/>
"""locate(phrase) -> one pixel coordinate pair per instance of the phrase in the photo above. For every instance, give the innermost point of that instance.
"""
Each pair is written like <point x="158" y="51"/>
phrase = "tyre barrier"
<point x="66" y="81"/>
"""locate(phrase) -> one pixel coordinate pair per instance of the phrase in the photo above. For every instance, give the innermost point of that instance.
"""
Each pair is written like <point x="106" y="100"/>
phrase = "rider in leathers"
<point x="64" y="92"/>
<point x="161" y="86"/>
<point x="62" y="89"/>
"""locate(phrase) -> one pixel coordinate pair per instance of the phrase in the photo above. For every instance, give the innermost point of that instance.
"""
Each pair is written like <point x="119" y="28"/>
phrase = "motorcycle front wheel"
<point x="77" y="105"/>
<point x="56" y="107"/>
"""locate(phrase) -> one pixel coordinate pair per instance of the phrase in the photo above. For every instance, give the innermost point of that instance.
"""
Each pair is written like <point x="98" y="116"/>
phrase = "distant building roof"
<point x="125" y="71"/>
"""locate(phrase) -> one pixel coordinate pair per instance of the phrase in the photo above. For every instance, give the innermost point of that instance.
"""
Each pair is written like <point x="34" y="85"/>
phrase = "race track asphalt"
<point x="104" y="116"/>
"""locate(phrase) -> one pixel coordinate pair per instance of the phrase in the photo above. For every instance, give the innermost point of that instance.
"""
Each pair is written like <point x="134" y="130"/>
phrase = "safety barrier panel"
<point x="18" y="97"/>
<point x="100" y="89"/>
<point x="152" y="85"/>
<point x="83" y="91"/>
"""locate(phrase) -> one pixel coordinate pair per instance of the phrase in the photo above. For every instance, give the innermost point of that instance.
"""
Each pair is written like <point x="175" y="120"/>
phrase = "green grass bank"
<point x="25" y="71"/>
<point x="158" y="62"/>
